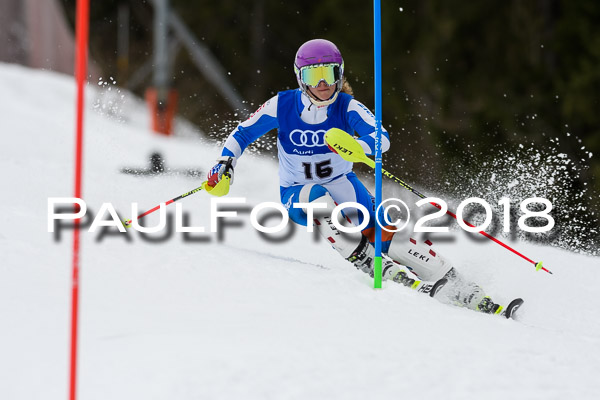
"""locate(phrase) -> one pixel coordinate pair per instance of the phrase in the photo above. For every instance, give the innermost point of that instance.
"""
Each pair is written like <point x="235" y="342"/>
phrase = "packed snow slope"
<point x="236" y="316"/>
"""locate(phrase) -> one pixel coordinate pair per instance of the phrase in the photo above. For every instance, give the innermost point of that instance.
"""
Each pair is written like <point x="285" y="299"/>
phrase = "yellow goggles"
<point x="312" y="75"/>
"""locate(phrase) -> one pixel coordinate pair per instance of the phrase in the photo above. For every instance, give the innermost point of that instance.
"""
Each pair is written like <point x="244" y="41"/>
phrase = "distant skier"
<point x="309" y="171"/>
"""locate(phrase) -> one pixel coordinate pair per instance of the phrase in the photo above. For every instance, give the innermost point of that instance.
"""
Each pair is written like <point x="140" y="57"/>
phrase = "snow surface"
<point x="240" y="317"/>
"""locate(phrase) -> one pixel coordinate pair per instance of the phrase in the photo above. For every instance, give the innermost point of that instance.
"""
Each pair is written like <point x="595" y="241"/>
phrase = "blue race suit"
<point x="306" y="164"/>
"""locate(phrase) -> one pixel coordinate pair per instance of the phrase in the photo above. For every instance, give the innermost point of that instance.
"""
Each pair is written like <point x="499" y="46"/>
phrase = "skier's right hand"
<point x="224" y="167"/>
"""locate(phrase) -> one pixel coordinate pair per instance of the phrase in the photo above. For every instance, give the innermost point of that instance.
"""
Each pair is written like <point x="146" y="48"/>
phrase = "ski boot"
<point x="363" y="258"/>
<point x="393" y="271"/>
<point x="487" y="306"/>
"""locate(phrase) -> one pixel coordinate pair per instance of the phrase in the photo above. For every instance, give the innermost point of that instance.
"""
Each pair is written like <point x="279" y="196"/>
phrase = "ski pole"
<point x="127" y="222"/>
<point x="350" y="150"/>
<point x="220" y="189"/>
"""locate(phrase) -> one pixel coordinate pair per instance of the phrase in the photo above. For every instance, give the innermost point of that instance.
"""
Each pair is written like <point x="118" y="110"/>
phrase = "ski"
<point x="431" y="288"/>
<point x="511" y="308"/>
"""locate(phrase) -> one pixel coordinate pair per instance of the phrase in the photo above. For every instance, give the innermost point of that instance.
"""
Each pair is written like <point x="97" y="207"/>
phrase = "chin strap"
<point x="320" y="103"/>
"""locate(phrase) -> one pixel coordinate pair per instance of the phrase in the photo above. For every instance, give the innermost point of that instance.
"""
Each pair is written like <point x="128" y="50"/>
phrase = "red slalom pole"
<point x="81" y="32"/>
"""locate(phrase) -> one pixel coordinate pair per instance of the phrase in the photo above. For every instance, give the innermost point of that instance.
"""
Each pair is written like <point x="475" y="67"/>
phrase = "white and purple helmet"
<point x="319" y="60"/>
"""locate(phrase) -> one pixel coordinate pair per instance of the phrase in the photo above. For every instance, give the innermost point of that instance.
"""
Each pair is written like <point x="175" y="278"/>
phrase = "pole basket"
<point x="162" y="109"/>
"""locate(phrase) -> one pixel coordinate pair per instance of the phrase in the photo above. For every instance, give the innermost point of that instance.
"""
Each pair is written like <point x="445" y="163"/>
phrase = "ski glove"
<point x="223" y="167"/>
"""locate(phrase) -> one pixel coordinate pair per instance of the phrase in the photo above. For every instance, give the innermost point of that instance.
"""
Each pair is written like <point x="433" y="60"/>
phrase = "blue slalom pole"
<point x="378" y="163"/>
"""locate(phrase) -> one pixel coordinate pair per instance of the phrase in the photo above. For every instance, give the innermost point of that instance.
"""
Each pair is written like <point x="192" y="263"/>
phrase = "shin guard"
<point x="421" y="259"/>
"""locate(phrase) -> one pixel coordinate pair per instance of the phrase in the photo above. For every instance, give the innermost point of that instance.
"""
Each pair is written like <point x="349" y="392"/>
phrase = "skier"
<point x="311" y="172"/>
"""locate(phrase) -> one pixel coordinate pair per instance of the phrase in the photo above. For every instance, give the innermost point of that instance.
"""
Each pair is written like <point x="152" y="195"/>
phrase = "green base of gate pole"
<point x="377" y="273"/>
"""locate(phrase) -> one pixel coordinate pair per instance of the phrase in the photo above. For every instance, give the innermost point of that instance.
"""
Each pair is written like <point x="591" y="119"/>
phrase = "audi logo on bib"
<point x="308" y="138"/>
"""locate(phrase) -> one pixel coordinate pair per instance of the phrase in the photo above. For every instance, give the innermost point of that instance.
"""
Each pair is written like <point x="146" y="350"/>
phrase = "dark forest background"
<point x="463" y="81"/>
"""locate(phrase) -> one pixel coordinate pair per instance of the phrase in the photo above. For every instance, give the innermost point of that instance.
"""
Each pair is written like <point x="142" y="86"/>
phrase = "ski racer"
<point x="309" y="171"/>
